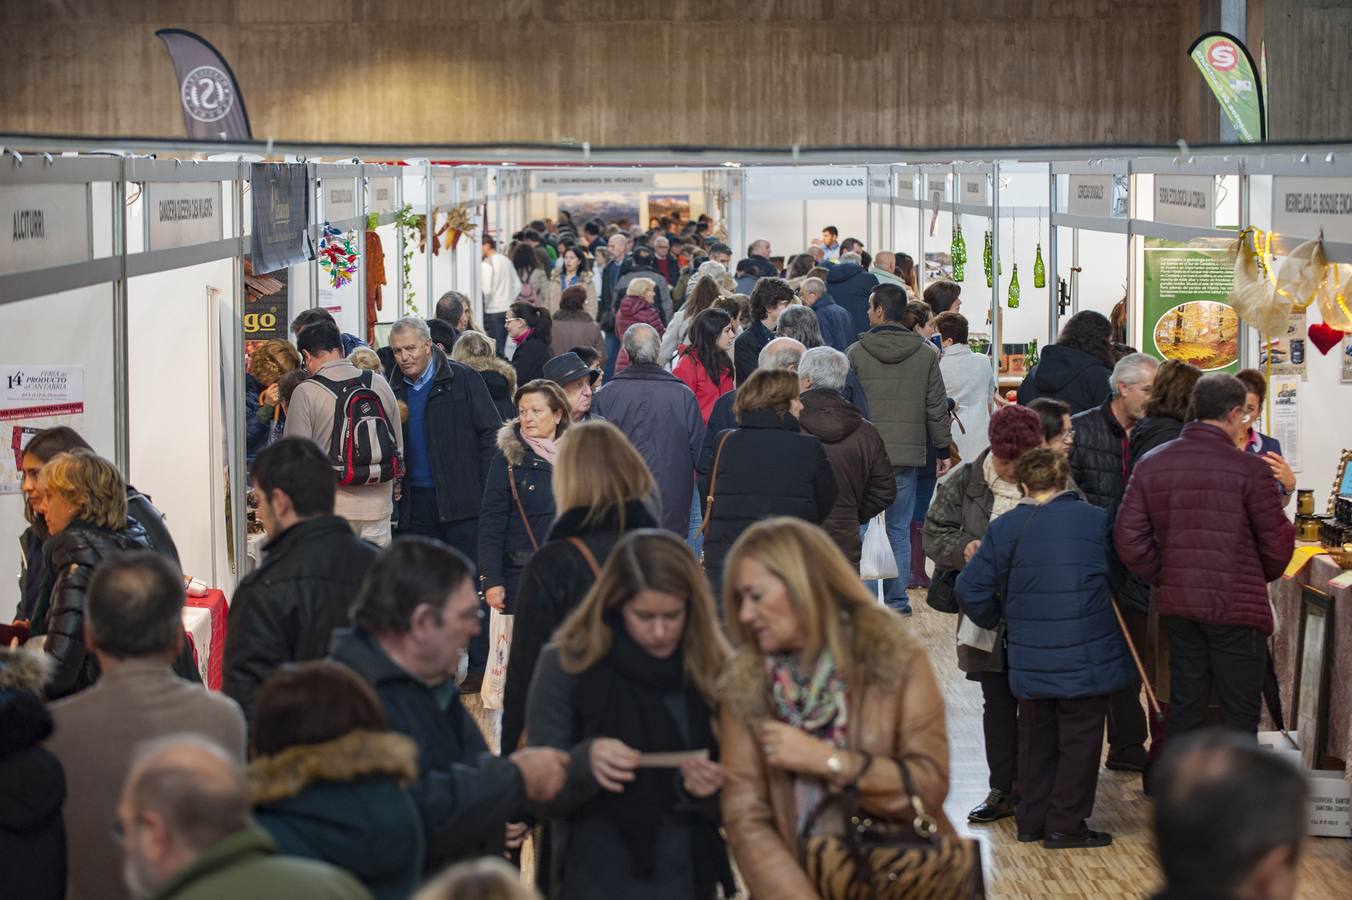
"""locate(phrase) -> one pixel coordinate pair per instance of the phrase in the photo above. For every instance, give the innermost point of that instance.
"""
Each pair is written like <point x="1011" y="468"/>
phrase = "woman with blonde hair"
<point x="826" y="691"/>
<point x="480" y="879"/>
<point x="631" y="673"/>
<point x="765" y="467"/>
<point x="83" y="501"/>
<point x="602" y="491"/>
<point x="637" y="306"/>
<point x="477" y="351"/>
<point x="262" y="410"/>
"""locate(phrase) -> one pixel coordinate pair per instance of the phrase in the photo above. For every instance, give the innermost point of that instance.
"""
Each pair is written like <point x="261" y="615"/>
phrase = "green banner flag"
<point x="1229" y="71"/>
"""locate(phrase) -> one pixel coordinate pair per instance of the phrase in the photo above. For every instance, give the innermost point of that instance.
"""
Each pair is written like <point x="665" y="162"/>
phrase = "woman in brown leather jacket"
<point x="826" y="688"/>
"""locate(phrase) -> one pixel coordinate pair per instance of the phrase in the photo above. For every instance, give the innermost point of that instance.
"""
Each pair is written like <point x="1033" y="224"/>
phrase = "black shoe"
<point x="997" y="805"/>
<point x="1130" y="759"/>
<point x="1060" y="840"/>
<point x="1030" y="838"/>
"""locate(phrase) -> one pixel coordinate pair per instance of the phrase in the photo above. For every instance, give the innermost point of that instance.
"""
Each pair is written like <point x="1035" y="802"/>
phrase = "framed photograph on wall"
<point x="1311" y="698"/>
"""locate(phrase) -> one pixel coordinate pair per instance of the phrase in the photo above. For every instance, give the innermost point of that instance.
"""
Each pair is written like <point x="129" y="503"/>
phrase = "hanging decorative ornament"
<point x="1014" y="288"/>
<point x="1039" y="270"/>
<point x="987" y="261"/>
<point x="338" y="255"/>
<point x="959" y="253"/>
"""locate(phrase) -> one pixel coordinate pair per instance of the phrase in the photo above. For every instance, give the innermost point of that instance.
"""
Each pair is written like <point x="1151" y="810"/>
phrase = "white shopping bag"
<point x="972" y="635"/>
<point x="499" y="648"/>
<point x="877" y="560"/>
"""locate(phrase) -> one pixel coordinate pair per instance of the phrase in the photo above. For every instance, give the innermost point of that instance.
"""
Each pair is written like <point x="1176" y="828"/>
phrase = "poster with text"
<point x="1284" y="394"/>
<point x="1186" y="315"/>
<point x="35" y="397"/>
<point x="1287" y="351"/>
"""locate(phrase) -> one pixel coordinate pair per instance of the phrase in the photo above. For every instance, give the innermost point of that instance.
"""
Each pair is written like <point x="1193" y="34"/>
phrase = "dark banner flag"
<point x="213" y="108"/>
<point x="281" y="216"/>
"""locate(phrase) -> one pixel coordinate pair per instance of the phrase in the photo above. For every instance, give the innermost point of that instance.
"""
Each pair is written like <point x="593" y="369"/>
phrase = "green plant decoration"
<point x="408" y="227"/>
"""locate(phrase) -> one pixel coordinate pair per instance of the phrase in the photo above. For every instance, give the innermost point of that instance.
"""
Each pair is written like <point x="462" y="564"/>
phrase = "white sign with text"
<point x="1185" y="200"/>
<point x="182" y="213"/>
<point x="340" y="199"/>
<point x="384" y="194"/>
<point x="45" y="225"/>
<point x="974" y="189"/>
<point x="1091" y="195"/>
<point x="586" y="182"/>
<point x="1302" y="206"/>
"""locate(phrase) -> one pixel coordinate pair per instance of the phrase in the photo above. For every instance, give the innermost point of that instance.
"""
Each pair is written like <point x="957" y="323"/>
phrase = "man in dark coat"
<point x="853" y="447"/>
<point x="1203" y="523"/>
<point x="411" y="621"/>
<point x="1077" y="367"/>
<point x="661" y="418"/>
<point x="449" y="438"/>
<point x="759" y="255"/>
<point x="287" y="609"/>
<point x="837" y="325"/>
<point x="769" y="298"/>
<point x="850" y="285"/>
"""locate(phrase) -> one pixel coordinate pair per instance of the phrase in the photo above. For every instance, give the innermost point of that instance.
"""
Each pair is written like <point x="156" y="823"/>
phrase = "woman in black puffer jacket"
<point x="766" y="467"/>
<point x="84" y="503"/>
<point x="32" y="785"/>
<point x="1170" y="398"/>
<point x="1076" y="368"/>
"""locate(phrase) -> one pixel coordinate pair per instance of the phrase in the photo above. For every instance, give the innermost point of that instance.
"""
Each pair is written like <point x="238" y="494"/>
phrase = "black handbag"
<point x="942" y="596"/>
<point x="888" y="860"/>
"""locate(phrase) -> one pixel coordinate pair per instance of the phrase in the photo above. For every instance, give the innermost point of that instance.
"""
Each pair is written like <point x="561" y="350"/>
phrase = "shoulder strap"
<point x="713" y="480"/>
<point x="516" y="498"/>
<point x="587" y="555"/>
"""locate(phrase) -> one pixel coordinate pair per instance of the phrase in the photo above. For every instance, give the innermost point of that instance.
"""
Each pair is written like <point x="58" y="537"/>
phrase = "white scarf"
<point x="1007" y="495"/>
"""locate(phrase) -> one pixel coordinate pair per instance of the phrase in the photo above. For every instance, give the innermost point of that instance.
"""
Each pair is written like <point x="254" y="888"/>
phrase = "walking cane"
<point x="1151" y="700"/>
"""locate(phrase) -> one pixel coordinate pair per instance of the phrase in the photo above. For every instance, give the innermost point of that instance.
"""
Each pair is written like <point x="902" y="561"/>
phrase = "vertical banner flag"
<point x="213" y="108"/>
<point x="1229" y="71"/>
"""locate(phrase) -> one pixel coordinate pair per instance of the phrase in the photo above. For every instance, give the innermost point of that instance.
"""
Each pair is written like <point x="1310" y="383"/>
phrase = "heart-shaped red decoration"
<point x="1324" y="336"/>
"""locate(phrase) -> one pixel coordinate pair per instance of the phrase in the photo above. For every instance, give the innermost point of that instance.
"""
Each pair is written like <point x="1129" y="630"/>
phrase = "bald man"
<point x="883" y="268"/>
<point x="184" y="823"/>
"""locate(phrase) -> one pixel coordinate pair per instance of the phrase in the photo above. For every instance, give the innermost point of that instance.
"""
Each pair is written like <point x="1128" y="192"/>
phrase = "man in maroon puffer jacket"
<point x="1203" y="523"/>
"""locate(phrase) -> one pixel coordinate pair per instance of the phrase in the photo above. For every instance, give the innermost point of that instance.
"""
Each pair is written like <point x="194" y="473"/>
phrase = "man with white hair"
<point x="1098" y="463"/>
<point x="853" y="446"/>
<point x="837" y="327"/>
<point x="183" y="820"/>
<point x="801" y="324"/>
<point x="661" y="418"/>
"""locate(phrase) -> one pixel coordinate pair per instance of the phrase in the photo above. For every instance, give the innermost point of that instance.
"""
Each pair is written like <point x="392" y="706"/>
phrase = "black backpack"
<point x="363" y="449"/>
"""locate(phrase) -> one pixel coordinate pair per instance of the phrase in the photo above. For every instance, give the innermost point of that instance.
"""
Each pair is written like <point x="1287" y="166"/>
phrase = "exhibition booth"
<point x="137" y="277"/>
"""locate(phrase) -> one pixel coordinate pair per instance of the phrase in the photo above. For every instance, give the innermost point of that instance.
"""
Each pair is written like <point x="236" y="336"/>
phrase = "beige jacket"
<point x="555" y="291"/>
<point x="310" y="415"/>
<point x="895" y="712"/>
<point x="97" y="731"/>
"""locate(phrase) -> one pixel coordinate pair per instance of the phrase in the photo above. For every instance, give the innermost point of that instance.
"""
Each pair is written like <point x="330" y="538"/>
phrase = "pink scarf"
<point x="521" y="338"/>
<point x="545" y="448"/>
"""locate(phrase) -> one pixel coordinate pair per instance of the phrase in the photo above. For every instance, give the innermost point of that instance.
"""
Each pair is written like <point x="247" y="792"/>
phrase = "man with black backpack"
<point x="354" y="418"/>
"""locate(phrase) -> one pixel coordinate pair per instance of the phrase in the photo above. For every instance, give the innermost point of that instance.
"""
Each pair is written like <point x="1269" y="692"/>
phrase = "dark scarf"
<point x="623" y="696"/>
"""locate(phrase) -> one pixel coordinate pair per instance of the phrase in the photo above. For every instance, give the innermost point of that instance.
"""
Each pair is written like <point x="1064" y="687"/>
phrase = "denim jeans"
<point x="495" y="326"/>
<point x="899" y="536"/>
<point x="695" y="540"/>
<point x="612" y="353"/>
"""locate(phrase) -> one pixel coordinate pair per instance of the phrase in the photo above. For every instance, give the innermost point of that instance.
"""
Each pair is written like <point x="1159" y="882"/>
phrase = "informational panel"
<point x="182" y="213"/>
<point x="44" y="225"/>
<point x="973" y="189"/>
<point x="879" y="188"/>
<point x="575" y="182"/>
<point x="340" y="199"/>
<point x="1302" y="207"/>
<point x="384" y="196"/>
<point x="1185" y="200"/>
<point x="1186" y="315"/>
<point x="808" y="183"/>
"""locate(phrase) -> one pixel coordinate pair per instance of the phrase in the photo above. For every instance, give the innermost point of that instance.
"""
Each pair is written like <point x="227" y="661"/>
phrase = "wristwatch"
<point x="835" y="765"/>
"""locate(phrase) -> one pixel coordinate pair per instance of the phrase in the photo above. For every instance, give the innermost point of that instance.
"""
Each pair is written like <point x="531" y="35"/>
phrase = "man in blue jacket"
<point x="414" y="614"/>
<point x="837" y="325"/>
<point x="1042" y="568"/>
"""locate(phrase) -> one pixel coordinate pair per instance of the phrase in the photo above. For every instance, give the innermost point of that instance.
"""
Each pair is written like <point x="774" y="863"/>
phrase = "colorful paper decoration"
<point x="338" y="255"/>
<point x="1325" y="337"/>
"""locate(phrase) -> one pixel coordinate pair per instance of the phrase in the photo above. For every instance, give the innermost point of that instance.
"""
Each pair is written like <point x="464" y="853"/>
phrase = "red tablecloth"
<point x="204" y="618"/>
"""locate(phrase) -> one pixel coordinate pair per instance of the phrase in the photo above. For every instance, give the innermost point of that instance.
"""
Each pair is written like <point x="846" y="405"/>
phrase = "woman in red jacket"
<point x="704" y="363"/>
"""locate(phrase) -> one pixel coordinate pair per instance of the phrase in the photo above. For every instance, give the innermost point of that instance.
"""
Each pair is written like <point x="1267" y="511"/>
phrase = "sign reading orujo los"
<point x="1302" y="206"/>
<point x="384" y="194"/>
<point x="586" y="182"/>
<point x="879" y="189"/>
<point x="1091" y="195"/>
<point x="974" y="189"/>
<point x="181" y="213"/>
<point x="808" y="182"/>
<point x="1185" y="200"/>
<point x="43" y="226"/>
<point x="340" y="199"/>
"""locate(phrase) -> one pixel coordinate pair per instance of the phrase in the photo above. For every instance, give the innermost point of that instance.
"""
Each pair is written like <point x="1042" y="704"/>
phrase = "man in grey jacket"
<point x="310" y="414"/>
<point x="900" y="375"/>
<point x="661" y="418"/>
<point x="133" y="621"/>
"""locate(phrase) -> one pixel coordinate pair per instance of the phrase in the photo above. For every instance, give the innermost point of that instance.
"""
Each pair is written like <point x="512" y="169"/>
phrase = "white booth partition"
<point x="384" y="200"/>
<point x="185" y="351"/>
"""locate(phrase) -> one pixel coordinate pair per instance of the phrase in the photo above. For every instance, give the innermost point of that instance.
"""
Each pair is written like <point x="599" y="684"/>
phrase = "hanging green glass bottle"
<point x="987" y="261"/>
<point x="1014" y="288"/>
<point x="1039" y="270"/>
<point x="959" y="254"/>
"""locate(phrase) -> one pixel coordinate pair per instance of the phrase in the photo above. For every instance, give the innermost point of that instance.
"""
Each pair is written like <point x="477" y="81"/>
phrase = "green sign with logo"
<point x="1229" y="71"/>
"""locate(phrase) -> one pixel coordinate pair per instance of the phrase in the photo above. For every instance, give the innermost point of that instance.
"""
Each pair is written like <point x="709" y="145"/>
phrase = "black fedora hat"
<point x="567" y="368"/>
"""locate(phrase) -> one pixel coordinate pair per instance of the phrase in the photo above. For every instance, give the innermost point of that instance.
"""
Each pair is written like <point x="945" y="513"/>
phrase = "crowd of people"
<point x="648" y="477"/>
